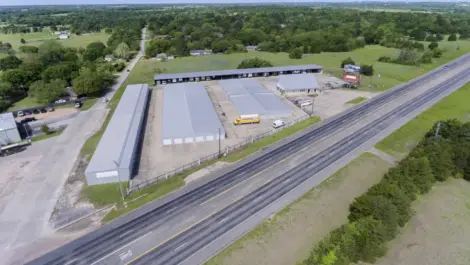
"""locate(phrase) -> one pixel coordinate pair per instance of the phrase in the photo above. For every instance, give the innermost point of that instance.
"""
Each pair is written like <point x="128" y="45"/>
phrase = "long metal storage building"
<point x="114" y="158"/>
<point x="236" y="73"/>
<point x="297" y="83"/>
<point x="188" y="115"/>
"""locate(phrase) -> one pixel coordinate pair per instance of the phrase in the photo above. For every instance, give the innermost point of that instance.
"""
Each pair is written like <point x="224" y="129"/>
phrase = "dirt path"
<point x="291" y="234"/>
<point x="439" y="232"/>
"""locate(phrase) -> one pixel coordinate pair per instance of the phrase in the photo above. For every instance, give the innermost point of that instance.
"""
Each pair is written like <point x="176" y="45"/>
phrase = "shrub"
<point x="346" y="61"/>
<point x="452" y="37"/>
<point x="254" y="63"/>
<point x="45" y="129"/>
<point x="367" y="70"/>
<point x="433" y="45"/>
<point x="385" y="59"/>
<point x="295" y="53"/>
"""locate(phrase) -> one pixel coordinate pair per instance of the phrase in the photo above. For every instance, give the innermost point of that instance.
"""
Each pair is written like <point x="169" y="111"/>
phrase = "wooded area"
<point x="376" y="216"/>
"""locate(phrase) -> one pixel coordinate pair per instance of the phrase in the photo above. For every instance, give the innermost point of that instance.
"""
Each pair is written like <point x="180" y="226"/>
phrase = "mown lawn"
<point x="37" y="38"/>
<point x="390" y="74"/>
<point x="27" y="102"/>
<point x="454" y="106"/>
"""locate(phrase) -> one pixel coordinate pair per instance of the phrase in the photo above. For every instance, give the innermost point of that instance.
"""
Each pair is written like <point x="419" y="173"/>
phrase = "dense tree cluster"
<point x="376" y="215"/>
<point x="45" y="71"/>
<point x="286" y="29"/>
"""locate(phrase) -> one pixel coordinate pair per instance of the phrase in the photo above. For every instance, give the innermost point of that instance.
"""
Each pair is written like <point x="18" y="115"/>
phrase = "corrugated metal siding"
<point x="297" y="82"/>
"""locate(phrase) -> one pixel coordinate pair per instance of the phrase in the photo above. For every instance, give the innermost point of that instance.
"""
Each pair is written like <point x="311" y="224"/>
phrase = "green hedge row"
<point x="376" y="216"/>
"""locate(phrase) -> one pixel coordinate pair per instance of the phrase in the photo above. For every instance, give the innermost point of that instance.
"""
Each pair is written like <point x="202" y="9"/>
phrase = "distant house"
<point x="171" y="57"/>
<point x="57" y="32"/>
<point x="108" y="58"/>
<point x="63" y="36"/>
<point x="252" y="47"/>
<point x="200" y="52"/>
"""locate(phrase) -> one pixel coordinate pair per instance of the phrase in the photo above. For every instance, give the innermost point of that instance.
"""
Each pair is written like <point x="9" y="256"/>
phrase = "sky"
<point x="73" y="2"/>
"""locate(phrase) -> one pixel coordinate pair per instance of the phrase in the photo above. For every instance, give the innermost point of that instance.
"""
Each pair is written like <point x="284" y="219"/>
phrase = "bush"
<point x="437" y="53"/>
<point x="367" y="70"/>
<point x="385" y="59"/>
<point x="119" y="67"/>
<point x="254" y="63"/>
<point x="431" y="38"/>
<point x="295" y="53"/>
<point x="45" y="129"/>
<point x="433" y="45"/>
<point x="452" y="37"/>
<point x="346" y="61"/>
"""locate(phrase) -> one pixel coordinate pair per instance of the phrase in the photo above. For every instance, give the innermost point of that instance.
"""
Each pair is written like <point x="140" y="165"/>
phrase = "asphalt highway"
<point x="92" y="247"/>
<point x="183" y="246"/>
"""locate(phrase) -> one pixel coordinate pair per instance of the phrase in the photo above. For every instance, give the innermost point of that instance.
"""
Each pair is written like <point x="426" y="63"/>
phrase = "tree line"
<point x="376" y="216"/>
<point x="294" y="29"/>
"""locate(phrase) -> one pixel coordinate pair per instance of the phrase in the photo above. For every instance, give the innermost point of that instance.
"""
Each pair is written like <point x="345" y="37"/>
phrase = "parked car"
<point x="27" y="113"/>
<point x="60" y="101"/>
<point x="43" y="110"/>
<point x="128" y="70"/>
<point x="78" y="104"/>
<point x="105" y="99"/>
<point x="20" y="113"/>
<point x="50" y="109"/>
<point x="36" y="111"/>
<point x="26" y="120"/>
<point x="278" y="124"/>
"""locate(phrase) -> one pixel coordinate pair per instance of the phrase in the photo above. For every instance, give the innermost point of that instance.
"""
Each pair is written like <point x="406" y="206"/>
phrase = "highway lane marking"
<point x="287" y="180"/>
<point x="128" y="244"/>
<point x="223" y="220"/>
<point x="126" y="233"/>
<point x="71" y="261"/>
<point x="180" y="246"/>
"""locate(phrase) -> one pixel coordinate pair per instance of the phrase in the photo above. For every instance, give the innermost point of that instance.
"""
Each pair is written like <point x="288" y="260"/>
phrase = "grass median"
<point x="454" y="106"/>
<point x="46" y="136"/>
<point x="356" y="100"/>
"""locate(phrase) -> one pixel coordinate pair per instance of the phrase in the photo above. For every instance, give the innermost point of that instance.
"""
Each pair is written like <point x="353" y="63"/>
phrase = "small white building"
<point x="200" y="52"/>
<point x="63" y="36"/>
<point x="57" y="32"/>
<point x="171" y="57"/>
<point x="161" y="56"/>
<point x="252" y="48"/>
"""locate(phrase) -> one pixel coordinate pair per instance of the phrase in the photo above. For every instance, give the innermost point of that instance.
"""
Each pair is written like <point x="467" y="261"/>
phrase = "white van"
<point x="278" y="124"/>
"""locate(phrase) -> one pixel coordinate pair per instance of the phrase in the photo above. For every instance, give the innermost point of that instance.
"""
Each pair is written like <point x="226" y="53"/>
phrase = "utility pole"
<point x="119" y="179"/>
<point x="218" y="131"/>
<point x="437" y="129"/>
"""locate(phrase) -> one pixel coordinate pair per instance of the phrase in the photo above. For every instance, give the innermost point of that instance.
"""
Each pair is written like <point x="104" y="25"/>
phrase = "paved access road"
<point x="96" y="247"/>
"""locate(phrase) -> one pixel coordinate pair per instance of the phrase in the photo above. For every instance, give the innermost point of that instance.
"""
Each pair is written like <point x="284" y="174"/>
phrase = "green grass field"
<point x="454" y="106"/>
<point x="35" y="39"/>
<point x="27" y="102"/>
<point x="390" y="74"/>
<point x="46" y="136"/>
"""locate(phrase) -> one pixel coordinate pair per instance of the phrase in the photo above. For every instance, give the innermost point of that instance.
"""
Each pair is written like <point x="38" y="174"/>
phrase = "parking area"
<point x="56" y="114"/>
<point x="156" y="158"/>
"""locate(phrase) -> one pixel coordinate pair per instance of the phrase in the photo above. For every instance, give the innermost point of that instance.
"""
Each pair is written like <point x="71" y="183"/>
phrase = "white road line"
<point x="209" y="190"/>
<point x="171" y="210"/>
<point x="287" y="180"/>
<point x="127" y="232"/>
<point x="241" y="173"/>
<point x="223" y="220"/>
<point x="132" y="242"/>
<point x="70" y="262"/>
<point x="180" y="246"/>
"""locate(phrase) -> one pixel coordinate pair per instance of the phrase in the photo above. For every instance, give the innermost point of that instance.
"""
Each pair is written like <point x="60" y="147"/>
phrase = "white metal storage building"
<point x="250" y="97"/>
<point x="297" y="83"/>
<point x="8" y="130"/>
<point x="188" y="115"/>
<point x="119" y="143"/>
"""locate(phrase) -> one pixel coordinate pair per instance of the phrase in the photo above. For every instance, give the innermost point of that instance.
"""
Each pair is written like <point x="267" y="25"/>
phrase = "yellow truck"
<point x="247" y="119"/>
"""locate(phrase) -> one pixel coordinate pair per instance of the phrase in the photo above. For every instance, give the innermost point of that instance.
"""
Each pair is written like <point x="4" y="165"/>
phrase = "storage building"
<point x="188" y="115"/>
<point x="297" y="83"/>
<point x="8" y="129"/>
<point x="236" y="73"/>
<point x="250" y="97"/>
<point x="114" y="158"/>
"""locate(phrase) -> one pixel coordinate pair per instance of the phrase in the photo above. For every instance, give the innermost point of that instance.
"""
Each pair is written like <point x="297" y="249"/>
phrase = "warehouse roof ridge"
<point x="238" y="71"/>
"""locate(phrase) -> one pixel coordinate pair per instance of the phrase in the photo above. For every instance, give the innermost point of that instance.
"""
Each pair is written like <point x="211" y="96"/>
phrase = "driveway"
<point x="31" y="181"/>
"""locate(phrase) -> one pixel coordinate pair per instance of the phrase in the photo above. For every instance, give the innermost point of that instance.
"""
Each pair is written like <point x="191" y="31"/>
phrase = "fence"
<point x="210" y="157"/>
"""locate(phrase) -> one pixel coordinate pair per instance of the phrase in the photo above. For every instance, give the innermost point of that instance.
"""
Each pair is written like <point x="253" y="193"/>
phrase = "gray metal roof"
<point x="119" y="139"/>
<point x="250" y="97"/>
<point x="297" y="82"/>
<point x="188" y="112"/>
<point x="238" y="71"/>
<point x="7" y="121"/>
